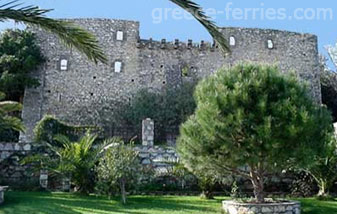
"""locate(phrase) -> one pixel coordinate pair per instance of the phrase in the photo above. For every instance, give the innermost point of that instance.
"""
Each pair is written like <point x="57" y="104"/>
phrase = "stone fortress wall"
<point x="77" y="91"/>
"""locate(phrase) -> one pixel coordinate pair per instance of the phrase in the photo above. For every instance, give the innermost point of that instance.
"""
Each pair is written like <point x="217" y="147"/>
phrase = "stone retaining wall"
<point x="10" y="156"/>
<point x="291" y="207"/>
<point x="160" y="158"/>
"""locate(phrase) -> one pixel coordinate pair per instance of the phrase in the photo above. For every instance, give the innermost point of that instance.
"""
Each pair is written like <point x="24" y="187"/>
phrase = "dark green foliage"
<point x="19" y="56"/>
<point x="253" y="116"/>
<point x="9" y="135"/>
<point x="168" y="109"/>
<point x="49" y="127"/>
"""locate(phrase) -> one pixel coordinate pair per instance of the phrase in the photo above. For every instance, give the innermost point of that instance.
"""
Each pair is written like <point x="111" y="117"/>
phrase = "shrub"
<point x="251" y="120"/>
<point x="118" y="167"/>
<point x="20" y="55"/>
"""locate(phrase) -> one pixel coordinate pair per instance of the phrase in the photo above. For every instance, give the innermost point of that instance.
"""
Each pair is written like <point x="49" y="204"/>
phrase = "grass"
<point x="63" y="203"/>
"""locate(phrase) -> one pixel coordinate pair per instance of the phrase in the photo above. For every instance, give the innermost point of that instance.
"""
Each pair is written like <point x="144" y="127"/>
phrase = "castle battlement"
<point x="176" y="45"/>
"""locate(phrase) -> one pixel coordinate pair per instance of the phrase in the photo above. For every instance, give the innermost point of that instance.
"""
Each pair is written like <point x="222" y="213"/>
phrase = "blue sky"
<point x="182" y="28"/>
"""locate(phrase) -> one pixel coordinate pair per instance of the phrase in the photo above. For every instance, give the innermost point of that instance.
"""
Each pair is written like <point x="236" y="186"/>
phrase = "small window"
<point x="185" y="71"/>
<point x="232" y="41"/>
<point x="64" y="65"/>
<point x="118" y="67"/>
<point x="120" y="35"/>
<point x="270" y="44"/>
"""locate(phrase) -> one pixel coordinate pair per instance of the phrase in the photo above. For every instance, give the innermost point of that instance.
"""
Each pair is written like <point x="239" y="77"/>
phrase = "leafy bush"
<point x="251" y="120"/>
<point x="118" y="167"/>
<point x="19" y="56"/>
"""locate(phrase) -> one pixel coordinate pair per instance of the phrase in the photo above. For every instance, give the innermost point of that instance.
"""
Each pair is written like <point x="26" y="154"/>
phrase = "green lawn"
<point x="62" y="203"/>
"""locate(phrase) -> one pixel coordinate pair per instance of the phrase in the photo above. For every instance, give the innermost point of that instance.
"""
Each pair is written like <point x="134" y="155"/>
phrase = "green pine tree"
<point x="251" y="120"/>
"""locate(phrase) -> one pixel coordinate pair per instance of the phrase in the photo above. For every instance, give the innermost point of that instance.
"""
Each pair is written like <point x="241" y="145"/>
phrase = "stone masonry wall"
<point x="291" y="207"/>
<point x="86" y="93"/>
<point x="160" y="158"/>
<point x="10" y="156"/>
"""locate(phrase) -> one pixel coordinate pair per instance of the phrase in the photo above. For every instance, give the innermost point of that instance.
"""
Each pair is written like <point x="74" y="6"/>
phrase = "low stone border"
<point x="289" y="207"/>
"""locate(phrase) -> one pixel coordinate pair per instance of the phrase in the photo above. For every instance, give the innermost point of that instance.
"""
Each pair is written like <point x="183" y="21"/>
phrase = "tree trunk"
<point x="206" y="195"/>
<point x="258" y="185"/>
<point x="183" y="184"/>
<point x="123" y="192"/>
<point x="323" y="188"/>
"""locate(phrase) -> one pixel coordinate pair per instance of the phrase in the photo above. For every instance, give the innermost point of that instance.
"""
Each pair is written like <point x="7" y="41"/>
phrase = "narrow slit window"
<point x="118" y="67"/>
<point x="120" y="35"/>
<point x="232" y="41"/>
<point x="64" y="65"/>
<point x="270" y="44"/>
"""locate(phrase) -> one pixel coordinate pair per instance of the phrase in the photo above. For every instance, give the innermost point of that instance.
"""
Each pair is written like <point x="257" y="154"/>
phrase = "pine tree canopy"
<point x="252" y="119"/>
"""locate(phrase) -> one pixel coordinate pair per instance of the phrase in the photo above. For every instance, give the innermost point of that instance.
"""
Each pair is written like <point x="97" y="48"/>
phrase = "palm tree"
<point x="68" y="32"/>
<point x="74" y="160"/>
<point x="8" y="122"/>
<point x="196" y="11"/>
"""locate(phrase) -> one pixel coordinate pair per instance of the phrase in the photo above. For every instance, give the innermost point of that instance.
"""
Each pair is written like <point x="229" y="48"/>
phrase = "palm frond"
<point x="9" y="122"/>
<point x="10" y="106"/>
<point x="62" y="139"/>
<point x="68" y="32"/>
<point x="197" y="12"/>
